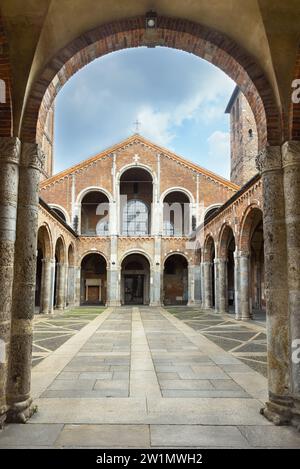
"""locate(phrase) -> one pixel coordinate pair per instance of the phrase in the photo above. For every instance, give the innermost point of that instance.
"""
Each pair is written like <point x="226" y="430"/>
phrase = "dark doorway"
<point x="134" y="289"/>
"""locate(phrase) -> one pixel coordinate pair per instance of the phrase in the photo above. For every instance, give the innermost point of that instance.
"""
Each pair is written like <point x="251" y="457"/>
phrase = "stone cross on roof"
<point x="137" y="124"/>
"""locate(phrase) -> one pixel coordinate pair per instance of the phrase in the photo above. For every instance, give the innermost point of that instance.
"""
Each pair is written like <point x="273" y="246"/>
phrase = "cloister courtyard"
<point x="142" y="377"/>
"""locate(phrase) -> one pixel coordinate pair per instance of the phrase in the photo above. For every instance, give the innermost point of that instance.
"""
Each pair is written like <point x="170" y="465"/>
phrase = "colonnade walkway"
<point x="141" y="377"/>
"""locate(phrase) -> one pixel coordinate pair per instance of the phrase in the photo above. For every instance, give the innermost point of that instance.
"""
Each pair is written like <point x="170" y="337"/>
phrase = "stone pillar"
<point x="278" y="407"/>
<point x="207" y="291"/>
<point x="156" y="274"/>
<point x="18" y="389"/>
<point x="244" y="293"/>
<point x="191" y="285"/>
<point x="197" y="287"/>
<point x="46" y="287"/>
<point x="52" y="284"/>
<point x="9" y="176"/>
<point x="71" y="285"/>
<point x="291" y="175"/>
<point x="61" y="281"/>
<point x="77" y="279"/>
<point x="237" y="307"/>
<point x="222" y="290"/>
<point x="113" y="284"/>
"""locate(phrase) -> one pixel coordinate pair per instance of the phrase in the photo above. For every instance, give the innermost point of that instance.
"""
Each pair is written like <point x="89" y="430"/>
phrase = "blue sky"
<point x="178" y="98"/>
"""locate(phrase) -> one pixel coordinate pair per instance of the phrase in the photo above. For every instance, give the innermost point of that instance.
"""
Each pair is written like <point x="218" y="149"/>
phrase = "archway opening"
<point x="59" y="279"/>
<point x="175" y="280"/>
<point x="93" y="280"/>
<point x="227" y="285"/>
<point x="176" y="214"/>
<point x="257" y="268"/>
<point x="43" y="256"/>
<point x="135" y="280"/>
<point x="209" y="274"/>
<point x="60" y="213"/>
<point x="95" y="214"/>
<point x="136" y="196"/>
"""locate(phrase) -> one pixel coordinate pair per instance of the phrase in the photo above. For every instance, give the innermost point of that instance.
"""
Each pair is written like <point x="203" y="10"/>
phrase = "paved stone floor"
<point x="141" y="377"/>
<point x="246" y="341"/>
<point x="50" y="332"/>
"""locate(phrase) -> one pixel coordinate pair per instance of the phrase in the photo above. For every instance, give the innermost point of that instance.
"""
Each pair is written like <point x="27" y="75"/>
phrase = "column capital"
<point x="291" y="153"/>
<point x="269" y="159"/>
<point x="32" y="156"/>
<point x="10" y="150"/>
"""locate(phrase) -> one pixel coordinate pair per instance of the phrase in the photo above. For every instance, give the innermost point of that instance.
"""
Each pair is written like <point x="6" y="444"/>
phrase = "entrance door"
<point x="93" y="294"/>
<point x="134" y="289"/>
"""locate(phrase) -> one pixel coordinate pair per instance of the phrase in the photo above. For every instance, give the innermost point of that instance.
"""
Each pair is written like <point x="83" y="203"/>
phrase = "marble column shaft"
<point x="19" y="379"/>
<point x="237" y="302"/>
<point x="9" y="175"/>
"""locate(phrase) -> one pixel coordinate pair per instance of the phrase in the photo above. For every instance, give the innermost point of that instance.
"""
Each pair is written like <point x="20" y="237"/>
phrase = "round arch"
<point x="177" y="189"/>
<point x="44" y="235"/>
<point x="175" y="279"/>
<point x="71" y="255"/>
<point x="209" y="248"/>
<point x="61" y="209"/>
<point x="212" y="207"/>
<point x="177" y="33"/>
<point x="135" y="278"/>
<point x="246" y="226"/>
<point x="180" y="253"/>
<point x="136" y="166"/>
<point x="93" y="278"/>
<point x="136" y="251"/>
<point x="224" y="238"/>
<point x="60" y="249"/>
<point x="92" y="251"/>
<point x="89" y="189"/>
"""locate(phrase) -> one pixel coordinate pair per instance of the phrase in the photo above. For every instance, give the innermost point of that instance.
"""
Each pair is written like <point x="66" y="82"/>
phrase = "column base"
<point x="20" y="412"/>
<point x="3" y="416"/>
<point x="113" y="303"/>
<point x="156" y="304"/>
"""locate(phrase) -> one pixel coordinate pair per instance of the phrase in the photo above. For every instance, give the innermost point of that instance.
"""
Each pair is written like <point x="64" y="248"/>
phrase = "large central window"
<point x="136" y="218"/>
<point x="136" y="189"/>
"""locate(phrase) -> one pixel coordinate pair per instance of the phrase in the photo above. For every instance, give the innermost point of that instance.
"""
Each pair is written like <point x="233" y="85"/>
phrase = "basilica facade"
<point x="138" y="224"/>
<point x="131" y="213"/>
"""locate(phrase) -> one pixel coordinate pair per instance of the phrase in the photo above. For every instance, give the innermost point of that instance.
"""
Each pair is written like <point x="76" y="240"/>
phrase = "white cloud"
<point x="156" y="125"/>
<point x="219" y="152"/>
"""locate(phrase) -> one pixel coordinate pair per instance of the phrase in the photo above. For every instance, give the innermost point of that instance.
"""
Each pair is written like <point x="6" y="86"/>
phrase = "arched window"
<point x="168" y="228"/>
<point x="136" y="218"/>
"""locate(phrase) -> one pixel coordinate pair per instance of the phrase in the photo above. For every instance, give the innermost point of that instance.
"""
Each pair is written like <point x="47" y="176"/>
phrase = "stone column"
<point x="215" y="266"/>
<point x="278" y="407"/>
<point x="222" y="291"/>
<point x="71" y="285"/>
<point x="237" y="307"/>
<point x="61" y="281"/>
<point x="113" y="290"/>
<point x="52" y="283"/>
<point x="156" y="274"/>
<point x="244" y="294"/>
<point x="18" y="389"/>
<point x="9" y="176"/>
<point x="46" y="286"/>
<point x="207" y="292"/>
<point x="191" y="285"/>
<point x="291" y="175"/>
<point x="197" y="287"/>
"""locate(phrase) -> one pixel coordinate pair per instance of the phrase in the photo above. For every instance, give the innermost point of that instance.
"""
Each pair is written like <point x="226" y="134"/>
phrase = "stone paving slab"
<point x="105" y="436"/>
<point x="197" y="436"/>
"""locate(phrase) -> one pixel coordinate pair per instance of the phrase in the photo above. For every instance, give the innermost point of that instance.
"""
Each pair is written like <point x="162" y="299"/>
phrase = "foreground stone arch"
<point x="171" y="32"/>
